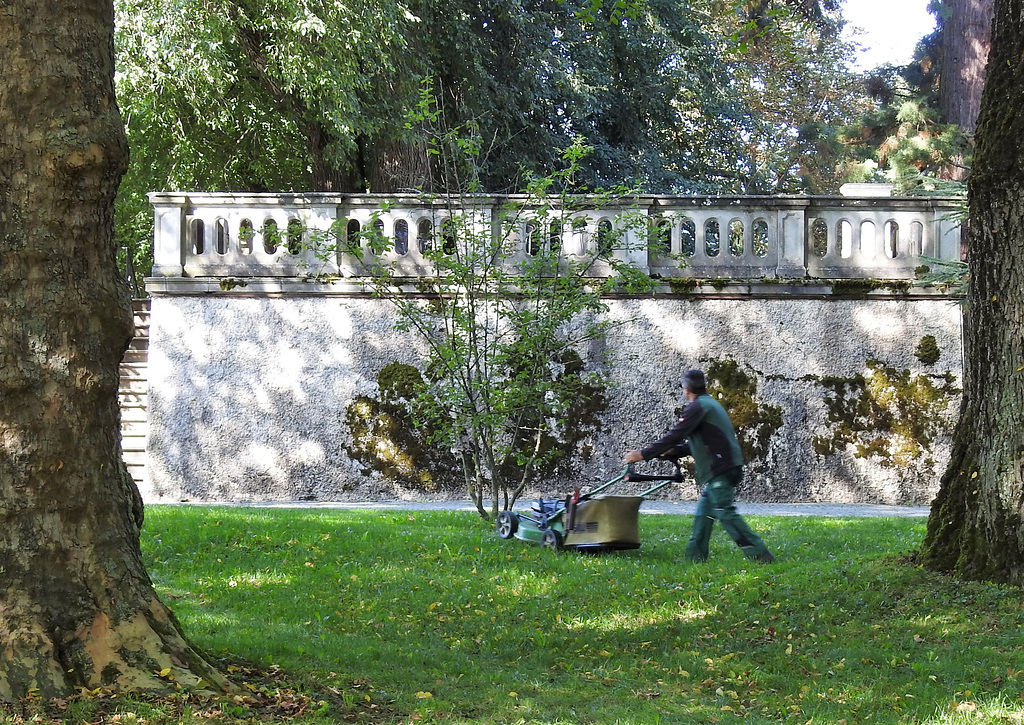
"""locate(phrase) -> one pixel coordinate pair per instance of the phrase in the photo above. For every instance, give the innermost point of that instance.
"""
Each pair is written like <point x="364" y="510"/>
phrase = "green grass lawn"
<point x="427" y="617"/>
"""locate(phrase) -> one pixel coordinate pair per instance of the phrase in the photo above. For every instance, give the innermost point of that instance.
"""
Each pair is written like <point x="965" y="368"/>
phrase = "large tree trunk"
<point x="397" y="166"/>
<point x="976" y="527"/>
<point x="77" y="608"/>
<point x="966" y="37"/>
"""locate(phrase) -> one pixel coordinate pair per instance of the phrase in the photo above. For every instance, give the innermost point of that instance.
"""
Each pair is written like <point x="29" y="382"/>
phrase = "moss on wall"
<point x="927" y="350"/>
<point x="736" y="390"/>
<point x="681" y="285"/>
<point x="587" y="400"/>
<point x="398" y="382"/>
<point x="386" y="440"/>
<point x="889" y="415"/>
<point x="844" y="288"/>
<point x="861" y="287"/>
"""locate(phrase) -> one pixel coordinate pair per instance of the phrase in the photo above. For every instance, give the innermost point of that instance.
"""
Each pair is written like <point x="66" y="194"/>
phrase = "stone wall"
<point x="255" y="396"/>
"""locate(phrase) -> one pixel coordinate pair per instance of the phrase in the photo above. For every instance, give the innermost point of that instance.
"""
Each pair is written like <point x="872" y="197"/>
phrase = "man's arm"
<point x="677" y="435"/>
<point x="672" y="454"/>
<point x="676" y="452"/>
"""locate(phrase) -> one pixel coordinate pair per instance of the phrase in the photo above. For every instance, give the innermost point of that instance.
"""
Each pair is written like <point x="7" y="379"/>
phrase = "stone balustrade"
<point x="201" y="235"/>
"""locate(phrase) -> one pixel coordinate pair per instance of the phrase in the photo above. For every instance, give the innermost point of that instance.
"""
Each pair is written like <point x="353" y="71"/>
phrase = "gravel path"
<point x="835" y="510"/>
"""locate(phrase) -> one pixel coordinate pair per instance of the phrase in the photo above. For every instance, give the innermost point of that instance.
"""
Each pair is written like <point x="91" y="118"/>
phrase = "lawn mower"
<point x="592" y="521"/>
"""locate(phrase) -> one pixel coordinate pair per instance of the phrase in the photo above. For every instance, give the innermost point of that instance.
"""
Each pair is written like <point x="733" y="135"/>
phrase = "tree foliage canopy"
<point x="687" y="96"/>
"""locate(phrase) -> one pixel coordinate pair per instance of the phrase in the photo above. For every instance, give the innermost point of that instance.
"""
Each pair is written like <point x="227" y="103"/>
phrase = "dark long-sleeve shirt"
<point x="712" y="438"/>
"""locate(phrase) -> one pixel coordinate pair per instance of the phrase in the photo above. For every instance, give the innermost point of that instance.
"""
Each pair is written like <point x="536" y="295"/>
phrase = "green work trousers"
<point x="716" y="504"/>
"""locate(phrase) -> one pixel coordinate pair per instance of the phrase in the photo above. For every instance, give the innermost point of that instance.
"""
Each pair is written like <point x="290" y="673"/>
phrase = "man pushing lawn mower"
<point x="705" y="431"/>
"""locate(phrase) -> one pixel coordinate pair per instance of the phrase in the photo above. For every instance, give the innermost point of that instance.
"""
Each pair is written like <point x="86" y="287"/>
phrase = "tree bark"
<point x="77" y="608"/>
<point x="976" y="525"/>
<point x="966" y="38"/>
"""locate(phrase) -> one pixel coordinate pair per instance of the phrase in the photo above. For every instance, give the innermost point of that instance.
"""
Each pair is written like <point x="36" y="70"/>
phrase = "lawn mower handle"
<point x="664" y="479"/>
<point x="631" y="475"/>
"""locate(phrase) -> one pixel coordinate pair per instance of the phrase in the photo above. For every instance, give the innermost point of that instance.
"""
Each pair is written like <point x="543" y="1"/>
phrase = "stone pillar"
<point x="169" y="234"/>
<point x="792" y="236"/>
<point x="947" y="236"/>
